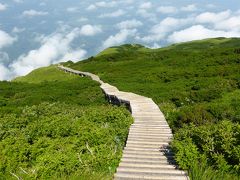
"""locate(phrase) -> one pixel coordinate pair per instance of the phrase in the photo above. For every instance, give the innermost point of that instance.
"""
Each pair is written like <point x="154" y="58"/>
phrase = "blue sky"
<point x="36" y="33"/>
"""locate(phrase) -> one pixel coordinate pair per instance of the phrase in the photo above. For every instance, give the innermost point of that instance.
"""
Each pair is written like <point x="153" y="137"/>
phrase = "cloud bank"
<point x="198" y="26"/>
<point x="54" y="48"/>
<point x="199" y="32"/>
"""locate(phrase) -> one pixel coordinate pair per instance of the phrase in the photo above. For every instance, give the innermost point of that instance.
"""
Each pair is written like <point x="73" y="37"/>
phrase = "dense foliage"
<point x="196" y="84"/>
<point x="59" y="127"/>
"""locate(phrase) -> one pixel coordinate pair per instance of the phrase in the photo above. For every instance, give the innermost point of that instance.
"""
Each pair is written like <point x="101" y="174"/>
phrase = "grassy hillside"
<point x="196" y="84"/>
<point x="49" y="74"/>
<point x="58" y="126"/>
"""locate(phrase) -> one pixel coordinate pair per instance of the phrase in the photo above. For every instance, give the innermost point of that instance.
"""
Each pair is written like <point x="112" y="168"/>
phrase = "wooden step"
<point x="151" y="133"/>
<point x="150" y="130"/>
<point x="135" y="170"/>
<point x="144" y="139"/>
<point x="152" y="166"/>
<point x="127" y="176"/>
<point x="141" y="156"/>
<point x="149" y="153"/>
<point x="148" y="159"/>
<point x="150" y="125"/>
<point x="147" y="143"/>
<point x="146" y="123"/>
<point x="144" y="149"/>
<point x="151" y="162"/>
<point x="149" y="118"/>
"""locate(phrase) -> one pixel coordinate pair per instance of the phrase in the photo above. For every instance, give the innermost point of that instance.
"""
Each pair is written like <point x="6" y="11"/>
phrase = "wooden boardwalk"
<point x="146" y="154"/>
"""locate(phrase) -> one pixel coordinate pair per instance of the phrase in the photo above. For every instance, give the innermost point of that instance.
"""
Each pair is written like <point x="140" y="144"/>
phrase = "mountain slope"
<point x="196" y="84"/>
<point x="58" y="126"/>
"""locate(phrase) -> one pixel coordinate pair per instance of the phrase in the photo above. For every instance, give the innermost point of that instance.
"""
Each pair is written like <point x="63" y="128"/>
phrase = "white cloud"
<point x="128" y="24"/>
<point x="211" y="6"/>
<point x="74" y="56"/>
<point x="126" y="1"/>
<point x="117" y="13"/>
<point x="101" y="4"/>
<point x="82" y="19"/>
<point x="167" y="25"/>
<point x="167" y="9"/>
<point x="6" y="39"/>
<point x="72" y="9"/>
<point x="209" y="17"/>
<point x="144" y="11"/>
<point x="53" y="49"/>
<point x="32" y="12"/>
<point x="90" y="30"/>
<point x="172" y="9"/>
<point x="189" y="8"/>
<point x="18" y="30"/>
<point x="231" y="23"/>
<point x="148" y="15"/>
<point x="4" y="73"/>
<point x="129" y="1"/>
<point x="3" y="7"/>
<point x="145" y="5"/>
<point x="225" y="20"/>
<point x="225" y="24"/>
<point x="106" y="4"/>
<point x="154" y="46"/>
<point x="42" y="4"/>
<point x="18" y="1"/>
<point x="91" y="7"/>
<point x="119" y="38"/>
<point x="198" y="32"/>
<point x="4" y="58"/>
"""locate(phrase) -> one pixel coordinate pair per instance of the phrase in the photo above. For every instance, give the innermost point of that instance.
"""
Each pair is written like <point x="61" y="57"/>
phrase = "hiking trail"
<point x="146" y="154"/>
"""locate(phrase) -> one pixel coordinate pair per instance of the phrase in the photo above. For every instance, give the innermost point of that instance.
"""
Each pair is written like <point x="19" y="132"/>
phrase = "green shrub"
<point x="186" y="153"/>
<point x="218" y="142"/>
<point x="59" y="127"/>
<point x="54" y="140"/>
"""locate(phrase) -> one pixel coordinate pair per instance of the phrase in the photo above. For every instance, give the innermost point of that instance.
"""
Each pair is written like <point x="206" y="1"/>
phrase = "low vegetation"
<point x="197" y="85"/>
<point x="58" y="126"/>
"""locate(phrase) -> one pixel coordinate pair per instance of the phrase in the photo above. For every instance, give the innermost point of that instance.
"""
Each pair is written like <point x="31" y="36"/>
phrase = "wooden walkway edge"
<point x="146" y="154"/>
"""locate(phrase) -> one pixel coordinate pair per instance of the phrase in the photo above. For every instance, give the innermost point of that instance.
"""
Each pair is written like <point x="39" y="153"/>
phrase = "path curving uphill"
<point x="146" y="154"/>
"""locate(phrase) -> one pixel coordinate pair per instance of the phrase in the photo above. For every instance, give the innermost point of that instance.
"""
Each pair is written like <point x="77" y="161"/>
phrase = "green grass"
<point x="196" y="84"/>
<point x="107" y="51"/>
<point x="55" y="125"/>
<point x="205" y="43"/>
<point x="44" y="74"/>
